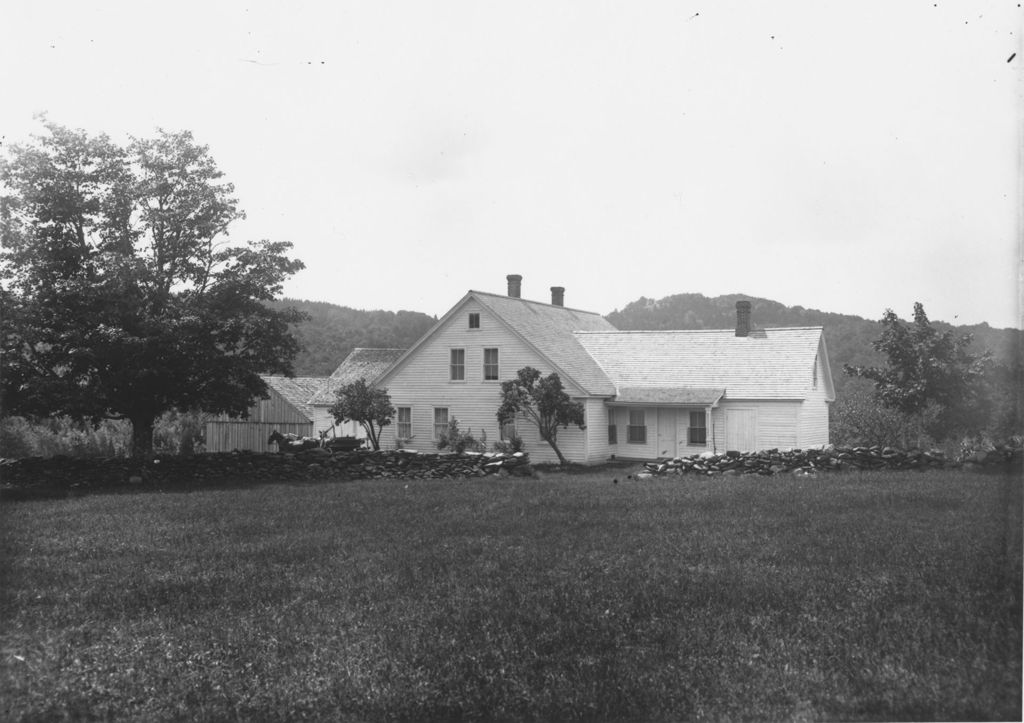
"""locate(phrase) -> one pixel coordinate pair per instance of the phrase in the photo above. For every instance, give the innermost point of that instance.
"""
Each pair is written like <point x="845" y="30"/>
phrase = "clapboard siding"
<point x="323" y="421"/>
<point x="813" y="420"/>
<point x="776" y="426"/>
<point x="422" y="382"/>
<point x="597" y="413"/>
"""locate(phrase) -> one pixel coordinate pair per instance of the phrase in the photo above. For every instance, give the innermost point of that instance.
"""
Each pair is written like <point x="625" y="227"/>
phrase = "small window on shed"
<point x="474" y="320"/>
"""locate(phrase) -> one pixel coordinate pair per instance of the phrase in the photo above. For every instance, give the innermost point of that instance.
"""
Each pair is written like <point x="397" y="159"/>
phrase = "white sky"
<point x="849" y="157"/>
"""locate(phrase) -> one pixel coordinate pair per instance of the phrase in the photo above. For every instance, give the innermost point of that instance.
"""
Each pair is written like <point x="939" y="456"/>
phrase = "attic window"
<point x="474" y="320"/>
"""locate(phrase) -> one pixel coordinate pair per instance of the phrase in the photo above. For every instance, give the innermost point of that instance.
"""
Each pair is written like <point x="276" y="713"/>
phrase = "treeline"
<point x="331" y="332"/>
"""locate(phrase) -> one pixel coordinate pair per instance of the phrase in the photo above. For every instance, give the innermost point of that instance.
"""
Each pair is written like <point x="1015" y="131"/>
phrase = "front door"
<point x="666" y="432"/>
<point x="741" y="430"/>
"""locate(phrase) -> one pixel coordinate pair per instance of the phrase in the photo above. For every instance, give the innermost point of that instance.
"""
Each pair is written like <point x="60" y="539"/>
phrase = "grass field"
<point x="861" y="596"/>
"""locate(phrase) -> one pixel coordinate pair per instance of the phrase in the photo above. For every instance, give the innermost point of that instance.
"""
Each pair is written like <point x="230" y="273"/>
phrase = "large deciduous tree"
<point x="930" y="375"/>
<point x="543" y="401"/>
<point x="120" y="296"/>
<point x="370" y="407"/>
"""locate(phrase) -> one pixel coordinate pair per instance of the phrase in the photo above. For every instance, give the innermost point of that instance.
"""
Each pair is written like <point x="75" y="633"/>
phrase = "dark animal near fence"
<point x="292" y="442"/>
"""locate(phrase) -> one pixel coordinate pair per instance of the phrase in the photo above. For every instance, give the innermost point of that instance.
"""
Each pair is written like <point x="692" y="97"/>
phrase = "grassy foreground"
<point x="861" y="596"/>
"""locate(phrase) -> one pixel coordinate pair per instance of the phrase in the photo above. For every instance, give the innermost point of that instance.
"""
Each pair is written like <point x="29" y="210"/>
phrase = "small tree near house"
<point x="371" y="408"/>
<point x="543" y="401"/>
<point x="928" y="375"/>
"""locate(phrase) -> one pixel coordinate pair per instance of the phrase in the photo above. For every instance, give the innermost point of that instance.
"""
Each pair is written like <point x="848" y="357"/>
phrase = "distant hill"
<point x="333" y="331"/>
<point x="848" y="337"/>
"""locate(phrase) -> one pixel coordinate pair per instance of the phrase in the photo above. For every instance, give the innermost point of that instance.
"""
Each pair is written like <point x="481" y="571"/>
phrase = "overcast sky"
<point x="849" y="157"/>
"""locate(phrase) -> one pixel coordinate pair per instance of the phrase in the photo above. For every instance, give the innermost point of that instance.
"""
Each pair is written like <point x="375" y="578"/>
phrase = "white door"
<point x="741" y="430"/>
<point x="666" y="432"/>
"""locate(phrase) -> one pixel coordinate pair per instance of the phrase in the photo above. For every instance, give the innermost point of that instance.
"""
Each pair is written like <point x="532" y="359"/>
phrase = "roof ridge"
<point x="698" y="331"/>
<point x="532" y="301"/>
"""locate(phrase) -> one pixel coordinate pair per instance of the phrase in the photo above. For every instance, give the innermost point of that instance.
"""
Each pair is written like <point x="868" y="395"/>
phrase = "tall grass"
<point x="873" y="596"/>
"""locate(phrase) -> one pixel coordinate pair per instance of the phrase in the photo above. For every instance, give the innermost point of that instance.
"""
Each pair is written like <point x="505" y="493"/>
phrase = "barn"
<point x="287" y="410"/>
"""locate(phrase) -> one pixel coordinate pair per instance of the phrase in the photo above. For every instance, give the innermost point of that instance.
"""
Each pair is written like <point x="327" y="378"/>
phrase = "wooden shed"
<point x="286" y="410"/>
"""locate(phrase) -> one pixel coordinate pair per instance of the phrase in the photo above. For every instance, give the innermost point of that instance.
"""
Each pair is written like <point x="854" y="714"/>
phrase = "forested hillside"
<point x="848" y="337"/>
<point x="333" y="331"/>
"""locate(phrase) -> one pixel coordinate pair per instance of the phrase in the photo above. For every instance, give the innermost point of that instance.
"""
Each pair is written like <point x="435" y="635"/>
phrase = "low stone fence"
<point x="813" y="461"/>
<point x="59" y="476"/>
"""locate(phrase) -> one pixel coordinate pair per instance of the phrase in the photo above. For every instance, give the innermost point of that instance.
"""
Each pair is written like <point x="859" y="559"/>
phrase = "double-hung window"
<point x="440" y="421"/>
<point x="490" y="365"/>
<point x="698" y="429"/>
<point x="457" y="367"/>
<point x="404" y="426"/>
<point x="636" y="432"/>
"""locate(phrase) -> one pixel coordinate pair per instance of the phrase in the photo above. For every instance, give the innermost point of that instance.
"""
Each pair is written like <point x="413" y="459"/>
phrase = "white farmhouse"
<point x="645" y="394"/>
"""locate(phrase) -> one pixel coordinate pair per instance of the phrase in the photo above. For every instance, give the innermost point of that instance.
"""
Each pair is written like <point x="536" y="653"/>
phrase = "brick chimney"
<point x="558" y="296"/>
<point x="515" y="285"/>
<point x="742" y="318"/>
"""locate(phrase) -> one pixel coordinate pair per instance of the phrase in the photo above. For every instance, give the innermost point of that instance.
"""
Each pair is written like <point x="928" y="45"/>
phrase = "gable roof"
<point x="777" y="365"/>
<point x="549" y="329"/>
<point x="297" y="391"/>
<point x="361" y="363"/>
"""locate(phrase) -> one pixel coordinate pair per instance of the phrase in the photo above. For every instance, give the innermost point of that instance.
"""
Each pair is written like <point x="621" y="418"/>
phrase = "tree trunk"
<point x="142" y="435"/>
<point x="551" y="441"/>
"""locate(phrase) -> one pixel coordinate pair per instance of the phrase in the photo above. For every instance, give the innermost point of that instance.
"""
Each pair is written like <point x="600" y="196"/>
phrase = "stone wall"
<point x="61" y="476"/>
<point x="813" y="461"/>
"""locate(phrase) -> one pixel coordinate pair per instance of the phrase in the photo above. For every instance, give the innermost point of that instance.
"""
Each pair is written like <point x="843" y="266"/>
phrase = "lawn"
<point x="846" y="597"/>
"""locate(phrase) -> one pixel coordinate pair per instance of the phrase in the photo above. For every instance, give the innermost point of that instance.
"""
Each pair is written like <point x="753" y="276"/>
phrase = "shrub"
<point x="457" y="441"/>
<point x="509" y="446"/>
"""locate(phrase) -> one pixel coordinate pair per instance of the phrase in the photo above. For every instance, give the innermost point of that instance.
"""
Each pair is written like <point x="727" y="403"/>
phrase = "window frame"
<point x="637" y="433"/>
<point x="453" y="366"/>
<point x="474" y="316"/>
<point x="399" y="423"/>
<point x="439" y="427"/>
<point x="702" y="428"/>
<point x="496" y="365"/>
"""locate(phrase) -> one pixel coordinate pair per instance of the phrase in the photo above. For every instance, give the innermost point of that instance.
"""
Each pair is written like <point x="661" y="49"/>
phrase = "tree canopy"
<point x="543" y="401"/>
<point x="121" y="297"/>
<point x="370" y="407"/>
<point x="930" y="375"/>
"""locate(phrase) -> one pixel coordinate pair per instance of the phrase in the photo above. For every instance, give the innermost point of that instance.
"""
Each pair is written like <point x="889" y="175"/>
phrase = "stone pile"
<point x="59" y="476"/>
<point x="811" y="461"/>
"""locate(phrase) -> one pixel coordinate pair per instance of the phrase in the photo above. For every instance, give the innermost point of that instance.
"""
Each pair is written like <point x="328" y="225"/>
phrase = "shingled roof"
<point x="361" y="363"/>
<point x="778" y="365"/>
<point x="298" y="391"/>
<point x="549" y="329"/>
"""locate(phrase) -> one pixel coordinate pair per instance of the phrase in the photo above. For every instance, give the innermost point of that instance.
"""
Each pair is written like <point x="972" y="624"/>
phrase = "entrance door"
<point x="741" y="430"/>
<point x="666" y="432"/>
